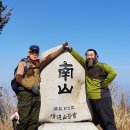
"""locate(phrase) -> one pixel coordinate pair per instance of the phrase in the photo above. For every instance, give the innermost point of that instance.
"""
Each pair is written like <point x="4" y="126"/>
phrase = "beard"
<point x="90" y="64"/>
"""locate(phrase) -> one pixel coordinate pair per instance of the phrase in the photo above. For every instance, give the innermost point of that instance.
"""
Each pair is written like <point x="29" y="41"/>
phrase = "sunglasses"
<point x="34" y="52"/>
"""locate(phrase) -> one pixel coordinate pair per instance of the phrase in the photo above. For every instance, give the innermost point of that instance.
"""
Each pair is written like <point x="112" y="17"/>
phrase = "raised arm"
<point x="45" y="60"/>
<point x="111" y="74"/>
<point x="76" y="55"/>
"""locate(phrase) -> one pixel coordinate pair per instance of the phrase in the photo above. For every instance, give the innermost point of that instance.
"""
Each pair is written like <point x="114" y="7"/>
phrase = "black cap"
<point x="34" y="48"/>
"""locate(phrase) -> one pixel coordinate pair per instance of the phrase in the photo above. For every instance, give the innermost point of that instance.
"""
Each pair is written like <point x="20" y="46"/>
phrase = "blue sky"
<point x="100" y="24"/>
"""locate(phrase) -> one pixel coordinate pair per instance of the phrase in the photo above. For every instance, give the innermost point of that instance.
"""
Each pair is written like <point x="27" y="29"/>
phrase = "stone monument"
<point x="64" y="105"/>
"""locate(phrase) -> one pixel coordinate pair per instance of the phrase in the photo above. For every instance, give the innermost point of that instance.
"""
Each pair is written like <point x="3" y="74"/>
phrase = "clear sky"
<point x="103" y="25"/>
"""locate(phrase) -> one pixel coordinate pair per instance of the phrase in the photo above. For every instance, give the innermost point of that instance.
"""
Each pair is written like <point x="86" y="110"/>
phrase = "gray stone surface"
<point x="68" y="126"/>
<point x="63" y="98"/>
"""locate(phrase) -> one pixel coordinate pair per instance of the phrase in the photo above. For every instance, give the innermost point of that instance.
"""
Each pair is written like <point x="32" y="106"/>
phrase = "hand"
<point x="65" y="44"/>
<point x="35" y="90"/>
<point x="102" y="85"/>
<point x="15" y="116"/>
<point x="67" y="47"/>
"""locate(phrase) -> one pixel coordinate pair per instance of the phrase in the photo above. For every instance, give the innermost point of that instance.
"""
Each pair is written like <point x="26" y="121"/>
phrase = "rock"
<point x="68" y="126"/>
<point x="62" y="88"/>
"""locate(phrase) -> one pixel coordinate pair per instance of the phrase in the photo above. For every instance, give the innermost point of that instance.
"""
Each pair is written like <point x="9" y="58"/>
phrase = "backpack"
<point x="16" y="87"/>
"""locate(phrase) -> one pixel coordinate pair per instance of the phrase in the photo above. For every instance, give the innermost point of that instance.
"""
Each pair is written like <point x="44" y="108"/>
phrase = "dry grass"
<point x="121" y="107"/>
<point x="6" y="109"/>
<point x="122" y="118"/>
<point x="6" y="125"/>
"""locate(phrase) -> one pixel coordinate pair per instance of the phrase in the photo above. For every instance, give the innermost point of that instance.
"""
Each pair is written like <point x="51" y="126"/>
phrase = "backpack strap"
<point x="27" y="65"/>
<point x="26" y="68"/>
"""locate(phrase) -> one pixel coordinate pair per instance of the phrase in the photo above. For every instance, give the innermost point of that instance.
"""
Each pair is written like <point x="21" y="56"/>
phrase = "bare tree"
<point x="4" y="18"/>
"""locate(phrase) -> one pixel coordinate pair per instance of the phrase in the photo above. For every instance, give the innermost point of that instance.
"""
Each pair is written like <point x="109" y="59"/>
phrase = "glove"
<point x="35" y="90"/>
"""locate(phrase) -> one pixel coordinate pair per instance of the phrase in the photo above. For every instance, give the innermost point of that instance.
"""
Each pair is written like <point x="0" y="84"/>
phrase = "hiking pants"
<point x="28" y="110"/>
<point x="103" y="112"/>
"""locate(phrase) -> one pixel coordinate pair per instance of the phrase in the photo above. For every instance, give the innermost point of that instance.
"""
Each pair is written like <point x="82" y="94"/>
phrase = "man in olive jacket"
<point x="98" y="77"/>
<point x="29" y="85"/>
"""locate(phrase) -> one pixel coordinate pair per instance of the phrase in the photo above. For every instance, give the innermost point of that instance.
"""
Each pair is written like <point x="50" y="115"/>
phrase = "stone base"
<point x="68" y="126"/>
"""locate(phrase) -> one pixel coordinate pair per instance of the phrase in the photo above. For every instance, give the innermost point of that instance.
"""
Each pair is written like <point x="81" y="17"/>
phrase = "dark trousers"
<point x="28" y="109"/>
<point x="103" y="113"/>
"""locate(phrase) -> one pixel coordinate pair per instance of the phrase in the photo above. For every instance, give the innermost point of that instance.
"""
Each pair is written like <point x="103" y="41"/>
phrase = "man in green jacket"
<point x="98" y="77"/>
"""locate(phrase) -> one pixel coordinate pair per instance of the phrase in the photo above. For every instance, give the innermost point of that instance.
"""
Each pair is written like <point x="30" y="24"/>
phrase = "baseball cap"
<point x="34" y="48"/>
